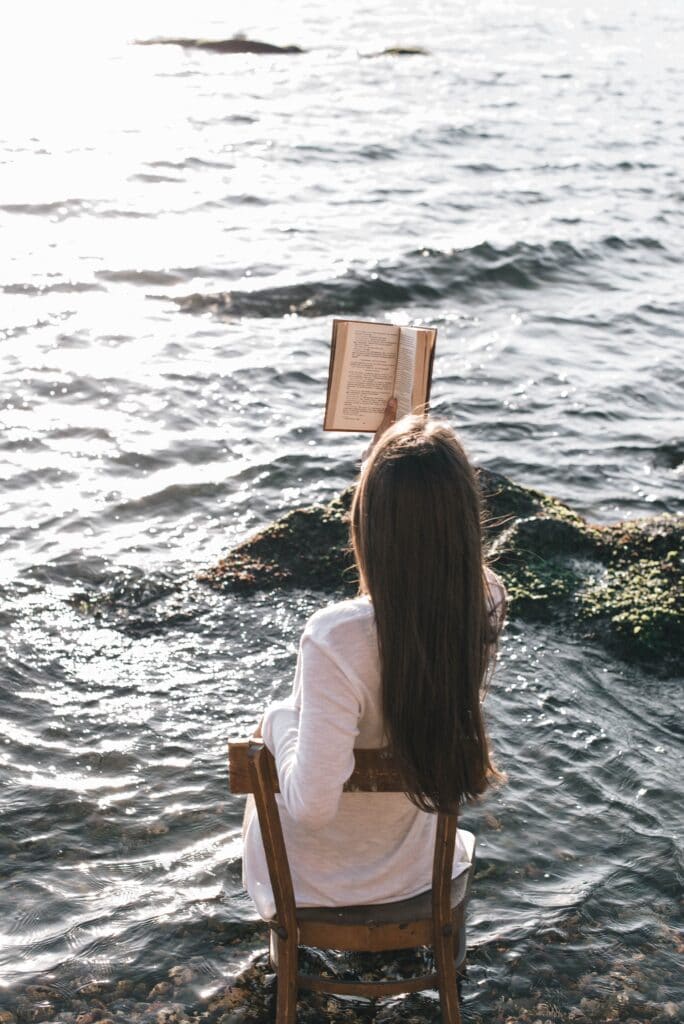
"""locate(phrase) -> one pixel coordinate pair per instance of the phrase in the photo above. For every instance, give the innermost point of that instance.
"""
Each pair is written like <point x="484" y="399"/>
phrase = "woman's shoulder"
<point x="340" y="620"/>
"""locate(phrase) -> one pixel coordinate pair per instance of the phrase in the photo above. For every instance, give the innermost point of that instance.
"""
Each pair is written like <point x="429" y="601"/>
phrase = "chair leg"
<point x="446" y="973"/>
<point x="286" y="993"/>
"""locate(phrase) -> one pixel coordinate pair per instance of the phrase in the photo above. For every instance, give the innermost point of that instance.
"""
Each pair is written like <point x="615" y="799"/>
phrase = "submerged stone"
<point x="620" y="584"/>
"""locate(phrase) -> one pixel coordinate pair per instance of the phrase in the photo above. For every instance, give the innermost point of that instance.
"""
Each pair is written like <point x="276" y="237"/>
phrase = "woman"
<point x="403" y="665"/>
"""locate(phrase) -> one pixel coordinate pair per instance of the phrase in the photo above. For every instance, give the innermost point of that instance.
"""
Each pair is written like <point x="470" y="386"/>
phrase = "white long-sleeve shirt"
<point x="343" y="848"/>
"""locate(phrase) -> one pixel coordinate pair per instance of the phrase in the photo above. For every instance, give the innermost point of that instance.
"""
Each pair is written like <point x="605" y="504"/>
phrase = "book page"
<point x="338" y="351"/>
<point x="425" y="347"/>
<point x="368" y="354"/>
<point x="406" y="367"/>
<point x="419" y="393"/>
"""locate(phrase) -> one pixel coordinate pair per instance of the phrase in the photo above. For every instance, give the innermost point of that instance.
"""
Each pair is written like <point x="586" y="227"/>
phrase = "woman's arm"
<point x="313" y="746"/>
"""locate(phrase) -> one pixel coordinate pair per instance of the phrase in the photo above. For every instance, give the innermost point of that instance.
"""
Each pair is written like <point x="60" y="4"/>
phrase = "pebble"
<point x="249" y="998"/>
<point x="173" y="1013"/>
<point x="543" y="1009"/>
<point x="42" y="1011"/>
<point x="181" y="975"/>
<point x="157" y="828"/>
<point x="38" y="993"/>
<point x="93" y="988"/>
<point x="161" y="989"/>
<point x="520" y="986"/>
<point x="230" y="999"/>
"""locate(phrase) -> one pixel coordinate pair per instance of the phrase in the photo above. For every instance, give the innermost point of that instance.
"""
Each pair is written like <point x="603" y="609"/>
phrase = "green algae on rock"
<point x="620" y="584"/>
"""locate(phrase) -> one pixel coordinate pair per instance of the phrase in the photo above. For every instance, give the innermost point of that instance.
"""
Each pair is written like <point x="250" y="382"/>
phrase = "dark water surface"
<point x="177" y="230"/>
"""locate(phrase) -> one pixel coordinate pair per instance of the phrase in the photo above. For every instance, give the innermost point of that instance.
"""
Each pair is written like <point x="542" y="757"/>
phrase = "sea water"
<point x="177" y="229"/>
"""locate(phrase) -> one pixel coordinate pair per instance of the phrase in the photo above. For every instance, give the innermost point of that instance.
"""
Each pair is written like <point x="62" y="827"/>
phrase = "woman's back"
<point x="343" y="848"/>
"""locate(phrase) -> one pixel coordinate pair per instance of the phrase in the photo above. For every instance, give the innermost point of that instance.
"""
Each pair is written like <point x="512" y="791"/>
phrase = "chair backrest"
<point x="252" y="770"/>
<point x="374" y="770"/>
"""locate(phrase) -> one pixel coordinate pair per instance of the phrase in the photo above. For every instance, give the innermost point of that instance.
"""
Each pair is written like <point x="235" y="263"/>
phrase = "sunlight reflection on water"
<point x="519" y="189"/>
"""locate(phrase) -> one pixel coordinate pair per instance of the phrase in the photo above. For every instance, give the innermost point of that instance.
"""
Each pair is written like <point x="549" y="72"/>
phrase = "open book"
<point x="371" y="363"/>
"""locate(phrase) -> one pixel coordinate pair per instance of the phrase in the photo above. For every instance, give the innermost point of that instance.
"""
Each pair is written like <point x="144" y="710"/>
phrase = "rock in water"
<point x="235" y="45"/>
<point x="620" y="585"/>
<point x="400" y="51"/>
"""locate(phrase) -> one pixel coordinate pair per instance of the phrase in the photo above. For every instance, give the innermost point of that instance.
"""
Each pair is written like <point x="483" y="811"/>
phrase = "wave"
<point x="60" y="208"/>
<point x="64" y="209"/>
<point x="423" y="275"/>
<point x="46" y="289"/>
<point x="196" y="162"/>
<point x="132" y="276"/>
<point x="155" y="179"/>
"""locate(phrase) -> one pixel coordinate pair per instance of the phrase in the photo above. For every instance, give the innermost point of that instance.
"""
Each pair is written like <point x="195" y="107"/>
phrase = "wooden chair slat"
<point x="367" y="989"/>
<point x="370" y="938"/>
<point x="374" y="771"/>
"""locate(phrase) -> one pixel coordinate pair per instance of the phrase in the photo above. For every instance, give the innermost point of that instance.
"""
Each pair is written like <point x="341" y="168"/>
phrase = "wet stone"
<point x="122" y="1007"/>
<point x="181" y="975"/>
<point x="619" y="585"/>
<point x="520" y="986"/>
<point x="173" y="1013"/>
<point x="38" y="993"/>
<point x="229" y="1000"/>
<point x="161" y="989"/>
<point x="42" y="1011"/>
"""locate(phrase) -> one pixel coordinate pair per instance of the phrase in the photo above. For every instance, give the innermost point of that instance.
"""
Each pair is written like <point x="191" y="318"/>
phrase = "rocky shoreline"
<point x="183" y="996"/>
<point x="619" y="585"/>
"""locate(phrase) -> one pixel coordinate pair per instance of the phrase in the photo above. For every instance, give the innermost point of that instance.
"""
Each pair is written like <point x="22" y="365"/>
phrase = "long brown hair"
<point x="417" y="538"/>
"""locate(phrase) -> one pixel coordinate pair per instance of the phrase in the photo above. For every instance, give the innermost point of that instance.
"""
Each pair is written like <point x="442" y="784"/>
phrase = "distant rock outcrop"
<point x="235" y="45"/>
<point x="399" y="51"/>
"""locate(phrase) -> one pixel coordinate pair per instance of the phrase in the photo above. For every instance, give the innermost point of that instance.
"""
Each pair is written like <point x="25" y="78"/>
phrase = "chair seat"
<point x="415" y="909"/>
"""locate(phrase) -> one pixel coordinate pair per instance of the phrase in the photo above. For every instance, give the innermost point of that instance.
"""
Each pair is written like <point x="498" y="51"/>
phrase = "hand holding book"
<point x="389" y="417"/>
<point x="371" y="363"/>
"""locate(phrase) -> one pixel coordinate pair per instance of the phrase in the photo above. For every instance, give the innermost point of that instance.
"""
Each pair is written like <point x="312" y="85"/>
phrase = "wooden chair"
<point x="434" y="918"/>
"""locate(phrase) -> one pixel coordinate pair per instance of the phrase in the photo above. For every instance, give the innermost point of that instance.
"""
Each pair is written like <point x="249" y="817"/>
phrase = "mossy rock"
<point x="620" y="585"/>
<point x="308" y="547"/>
